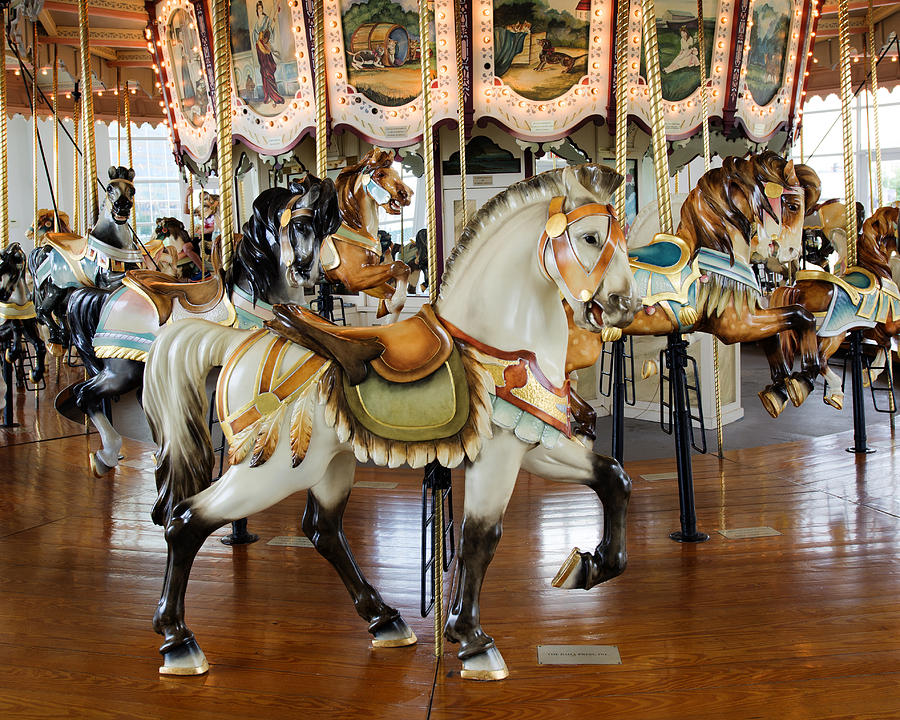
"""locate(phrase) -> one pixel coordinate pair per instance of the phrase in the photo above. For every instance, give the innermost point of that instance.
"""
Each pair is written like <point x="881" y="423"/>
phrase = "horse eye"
<point x="590" y="239"/>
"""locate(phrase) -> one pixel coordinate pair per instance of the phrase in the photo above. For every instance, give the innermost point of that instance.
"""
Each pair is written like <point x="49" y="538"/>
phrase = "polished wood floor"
<point x="801" y="625"/>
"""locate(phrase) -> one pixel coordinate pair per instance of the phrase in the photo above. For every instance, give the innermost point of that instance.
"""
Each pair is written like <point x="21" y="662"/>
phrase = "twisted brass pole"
<point x="4" y="141"/>
<point x="657" y="121"/>
<point x="55" y="134"/>
<point x="127" y="105"/>
<point x="76" y="164"/>
<point x="847" y="126"/>
<point x="622" y="105"/>
<point x="222" y="54"/>
<point x="461" y="114"/>
<point x="34" y="124"/>
<point x="873" y="65"/>
<point x="87" y="95"/>
<point x="321" y="91"/>
<point x="118" y="121"/>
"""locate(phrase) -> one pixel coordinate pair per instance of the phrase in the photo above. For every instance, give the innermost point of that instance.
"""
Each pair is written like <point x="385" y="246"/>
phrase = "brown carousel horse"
<point x="864" y="297"/>
<point x="699" y="279"/>
<point x="353" y="255"/>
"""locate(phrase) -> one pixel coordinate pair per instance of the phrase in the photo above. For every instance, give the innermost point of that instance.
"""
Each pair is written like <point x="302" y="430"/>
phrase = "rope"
<point x="461" y="114"/>
<point x="88" y="99"/>
<point x="222" y="54"/>
<point x="873" y="72"/>
<point x="4" y="142"/>
<point x="657" y="121"/>
<point x="621" y="104"/>
<point x="321" y="92"/>
<point x="847" y="127"/>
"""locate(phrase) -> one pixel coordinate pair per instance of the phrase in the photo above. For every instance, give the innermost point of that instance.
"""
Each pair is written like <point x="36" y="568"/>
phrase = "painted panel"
<point x="768" y="49"/>
<point x="541" y="66"/>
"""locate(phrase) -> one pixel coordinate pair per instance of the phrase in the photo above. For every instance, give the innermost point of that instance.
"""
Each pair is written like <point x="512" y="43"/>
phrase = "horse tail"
<point x="83" y="312"/>
<point x="176" y="406"/>
<point x="790" y="341"/>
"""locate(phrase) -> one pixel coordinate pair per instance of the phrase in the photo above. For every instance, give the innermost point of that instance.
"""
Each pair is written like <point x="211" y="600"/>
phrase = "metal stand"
<point x="675" y="359"/>
<point x="323" y="305"/>
<point x="615" y="383"/>
<point x="856" y="383"/>
<point x="436" y="487"/>
<point x="8" y="419"/>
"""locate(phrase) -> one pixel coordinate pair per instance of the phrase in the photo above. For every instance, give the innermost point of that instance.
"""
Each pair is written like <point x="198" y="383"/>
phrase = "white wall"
<point x="21" y="180"/>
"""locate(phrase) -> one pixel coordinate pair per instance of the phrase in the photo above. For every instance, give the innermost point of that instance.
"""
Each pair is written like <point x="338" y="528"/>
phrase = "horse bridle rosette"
<point x="581" y="281"/>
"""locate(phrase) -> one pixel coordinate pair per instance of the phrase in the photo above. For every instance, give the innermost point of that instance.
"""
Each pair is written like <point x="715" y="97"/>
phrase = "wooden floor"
<point x="802" y="625"/>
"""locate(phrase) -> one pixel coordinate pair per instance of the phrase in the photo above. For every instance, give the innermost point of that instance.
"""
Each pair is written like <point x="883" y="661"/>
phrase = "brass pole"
<point x="118" y="122"/>
<point x="461" y="114"/>
<point x="34" y="123"/>
<point x="127" y="105"/>
<point x="55" y="134"/>
<point x="4" y="141"/>
<point x="622" y="105"/>
<point x="873" y="64"/>
<point x="76" y="164"/>
<point x="222" y="54"/>
<point x="657" y="121"/>
<point x="847" y="125"/>
<point x="321" y="92"/>
<point x="87" y="95"/>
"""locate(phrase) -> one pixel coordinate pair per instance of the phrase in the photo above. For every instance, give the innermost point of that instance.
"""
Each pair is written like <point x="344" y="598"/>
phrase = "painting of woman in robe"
<point x="264" y="34"/>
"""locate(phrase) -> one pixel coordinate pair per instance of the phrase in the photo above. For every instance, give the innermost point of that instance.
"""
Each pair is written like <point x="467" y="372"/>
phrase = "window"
<point x="157" y="181"/>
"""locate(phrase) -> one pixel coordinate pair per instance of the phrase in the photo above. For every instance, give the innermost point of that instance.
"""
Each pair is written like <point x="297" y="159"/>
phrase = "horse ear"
<point x="129" y="174"/>
<point x="111" y="172"/>
<point x="790" y="173"/>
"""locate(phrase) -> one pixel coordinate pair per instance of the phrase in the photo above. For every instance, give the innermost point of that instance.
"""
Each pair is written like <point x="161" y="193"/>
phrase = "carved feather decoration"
<point x="242" y="443"/>
<point x="301" y="424"/>
<point x="267" y="438"/>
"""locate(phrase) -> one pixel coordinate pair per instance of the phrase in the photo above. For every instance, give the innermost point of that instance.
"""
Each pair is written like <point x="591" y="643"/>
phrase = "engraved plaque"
<point x="375" y="484"/>
<point x="749" y="532"/>
<point x="482" y="181"/>
<point x="578" y="655"/>
<point x="291" y="541"/>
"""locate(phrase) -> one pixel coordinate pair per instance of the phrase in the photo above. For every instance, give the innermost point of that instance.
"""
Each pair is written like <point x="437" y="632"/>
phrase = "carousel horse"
<point x="826" y="230"/>
<point x="45" y="225"/>
<point x="353" y="255"/>
<point x="66" y="261"/>
<point x="18" y="319"/>
<point x="699" y="279"/>
<point x="479" y="377"/>
<point x="865" y="297"/>
<point x="274" y="260"/>
<point x="172" y="249"/>
<point x="415" y="254"/>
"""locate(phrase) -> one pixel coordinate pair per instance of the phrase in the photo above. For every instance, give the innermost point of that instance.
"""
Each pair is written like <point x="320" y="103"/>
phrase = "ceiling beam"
<point x="122" y="9"/>
<point x="100" y="38"/>
<point x="47" y="21"/>
<point x="832" y="8"/>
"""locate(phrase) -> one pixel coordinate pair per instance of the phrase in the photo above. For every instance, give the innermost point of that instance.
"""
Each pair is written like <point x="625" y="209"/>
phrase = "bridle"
<point x="288" y="215"/>
<point x="581" y="281"/>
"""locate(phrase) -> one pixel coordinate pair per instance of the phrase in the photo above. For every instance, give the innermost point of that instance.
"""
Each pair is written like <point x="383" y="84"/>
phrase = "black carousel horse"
<point x="67" y="261"/>
<point x="18" y="320"/>
<point x="277" y="257"/>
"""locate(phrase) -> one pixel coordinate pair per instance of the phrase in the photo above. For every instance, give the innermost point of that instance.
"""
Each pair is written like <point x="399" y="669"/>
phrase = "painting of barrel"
<point x="768" y="48"/>
<point x="264" y="55"/>
<point x="186" y="63"/>
<point x="381" y="40"/>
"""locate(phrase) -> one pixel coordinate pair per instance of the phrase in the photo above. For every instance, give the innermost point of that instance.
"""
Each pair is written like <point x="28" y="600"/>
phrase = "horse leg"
<point x="40" y="349"/>
<point x="116" y="377"/>
<point x="52" y="306"/>
<point x="834" y="395"/>
<point x="572" y="462"/>
<point x="323" y="525"/>
<point x="489" y="485"/>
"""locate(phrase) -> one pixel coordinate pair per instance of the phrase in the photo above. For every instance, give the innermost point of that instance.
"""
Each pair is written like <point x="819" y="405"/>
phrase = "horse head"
<point x="12" y="270"/>
<point x="782" y="210"/>
<point x="120" y="194"/>
<point x="583" y="250"/>
<point x="279" y="251"/>
<point x="371" y="183"/>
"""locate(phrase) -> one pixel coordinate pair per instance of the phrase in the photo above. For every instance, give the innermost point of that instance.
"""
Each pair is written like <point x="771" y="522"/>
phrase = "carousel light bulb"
<point x="162" y="104"/>
<point x="116" y="93"/>
<point x="147" y="33"/>
<point x="815" y="60"/>
<point x="157" y="85"/>
<point x="149" y="47"/>
<point x="100" y="93"/>
<point x="133" y="91"/>
<point x="16" y="73"/>
<point x="68" y="96"/>
<point x="43" y="71"/>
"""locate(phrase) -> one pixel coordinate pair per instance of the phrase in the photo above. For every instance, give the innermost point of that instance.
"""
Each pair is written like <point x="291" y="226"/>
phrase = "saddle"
<point x="69" y="245"/>
<point x="163" y="291"/>
<point x="402" y="352"/>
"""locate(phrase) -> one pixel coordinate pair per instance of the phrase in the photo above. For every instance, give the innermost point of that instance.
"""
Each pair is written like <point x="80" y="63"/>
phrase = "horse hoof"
<point x="571" y="573"/>
<point x="773" y="402"/>
<point x="98" y="467"/>
<point x="56" y="350"/>
<point x="188" y="659"/>
<point x="488" y="665"/>
<point x="649" y="369"/>
<point x="798" y="389"/>
<point x="836" y="401"/>
<point x="397" y="634"/>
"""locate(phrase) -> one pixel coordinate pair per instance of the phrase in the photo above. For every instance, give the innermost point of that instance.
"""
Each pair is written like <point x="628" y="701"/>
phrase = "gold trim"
<point x="12" y="311"/>
<point x="853" y="292"/>
<point x="665" y="237"/>
<point x="120" y="353"/>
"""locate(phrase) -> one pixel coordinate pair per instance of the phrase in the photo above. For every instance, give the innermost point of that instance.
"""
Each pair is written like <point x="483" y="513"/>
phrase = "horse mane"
<point x="732" y="196"/>
<point x="257" y="255"/>
<point x="877" y="240"/>
<point x="601" y="180"/>
<point x="345" y="184"/>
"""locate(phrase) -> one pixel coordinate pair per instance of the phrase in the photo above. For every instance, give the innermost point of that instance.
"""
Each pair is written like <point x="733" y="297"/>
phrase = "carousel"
<point x="440" y="252"/>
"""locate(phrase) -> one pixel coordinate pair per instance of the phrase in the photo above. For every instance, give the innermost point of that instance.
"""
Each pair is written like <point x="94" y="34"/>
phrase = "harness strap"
<point x="288" y="215"/>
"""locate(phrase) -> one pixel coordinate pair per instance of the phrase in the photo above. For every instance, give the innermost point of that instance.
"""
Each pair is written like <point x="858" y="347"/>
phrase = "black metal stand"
<point x="436" y="488"/>
<point x="323" y="305"/>
<point x="615" y="383"/>
<point x="856" y="383"/>
<point x="8" y="419"/>
<point x="676" y="360"/>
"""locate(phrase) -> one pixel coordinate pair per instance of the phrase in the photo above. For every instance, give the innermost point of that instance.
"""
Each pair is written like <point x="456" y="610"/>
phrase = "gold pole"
<point x="34" y="122"/>
<point x="847" y="125"/>
<point x="321" y="92"/>
<point x="657" y="121"/>
<point x="461" y="114"/>
<point x="622" y="104"/>
<point x="55" y="135"/>
<point x="4" y="141"/>
<point x="76" y="164"/>
<point x="428" y="153"/>
<point x="118" y="122"/>
<point x="222" y="54"/>
<point x="127" y="104"/>
<point x="873" y="61"/>
<point x="87" y="95"/>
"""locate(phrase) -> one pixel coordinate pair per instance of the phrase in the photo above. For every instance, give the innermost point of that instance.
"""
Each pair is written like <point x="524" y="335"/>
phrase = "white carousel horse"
<point x="299" y="420"/>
